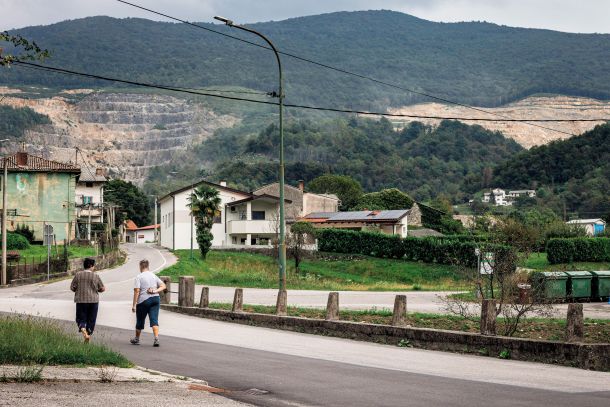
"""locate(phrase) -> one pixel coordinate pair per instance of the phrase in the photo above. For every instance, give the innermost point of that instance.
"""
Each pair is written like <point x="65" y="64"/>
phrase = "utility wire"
<point x="31" y="65"/>
<point x="341" y="70"/>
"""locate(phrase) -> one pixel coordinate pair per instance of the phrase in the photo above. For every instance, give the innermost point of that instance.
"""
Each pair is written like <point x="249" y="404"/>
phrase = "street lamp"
<point x="281" y="96"/>
<point x="192" y="221"/>
<point x="155" y="221"/>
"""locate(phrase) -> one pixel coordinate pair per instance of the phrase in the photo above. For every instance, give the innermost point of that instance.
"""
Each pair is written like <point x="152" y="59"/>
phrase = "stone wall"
<point x="414" y="216"/>
<point x="585" y="356"/>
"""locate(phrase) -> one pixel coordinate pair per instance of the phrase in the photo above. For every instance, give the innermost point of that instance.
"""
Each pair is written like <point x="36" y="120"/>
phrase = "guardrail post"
<point x="399" y="317"/>
<point x="238" y="300"/>
<point x="488" y="317"/>
<point x="575" y="323"/>
<point x="166" y="295"/>
<point x="186" y="291"/>
<point x="332" y="307"/>
<point x="204" y="300"/>
<point x="282" y="303"/>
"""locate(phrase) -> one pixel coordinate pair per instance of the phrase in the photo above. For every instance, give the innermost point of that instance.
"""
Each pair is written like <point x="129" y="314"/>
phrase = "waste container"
<point x="600" y="284"/>
<point x="550" y="285"/>
<point x="579" y="284"/>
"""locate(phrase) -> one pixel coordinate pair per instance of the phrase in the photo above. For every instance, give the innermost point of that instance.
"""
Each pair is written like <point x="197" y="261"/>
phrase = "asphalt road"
<point x="273" y="379"/>
<point x="277" y="368"/>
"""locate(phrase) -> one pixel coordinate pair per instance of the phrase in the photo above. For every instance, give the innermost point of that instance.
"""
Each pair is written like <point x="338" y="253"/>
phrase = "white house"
<point x="89" y="200"/>
<point x="592" y="226"/>
<point x="244" y="218"/>
<point x="530" y="193"/>
<point x="500" y="197"/>
<point x="144" y="234"/>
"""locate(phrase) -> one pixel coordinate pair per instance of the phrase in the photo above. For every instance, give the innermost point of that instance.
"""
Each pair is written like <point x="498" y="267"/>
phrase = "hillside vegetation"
<point x="15" y="121"/>
<point x="574" y="172"/>
<point x="477" y="63"/>
<point x="420" y="160"/>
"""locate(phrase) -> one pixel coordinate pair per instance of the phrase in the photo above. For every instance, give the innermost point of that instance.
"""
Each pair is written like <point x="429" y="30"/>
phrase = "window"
<point x="258" y="215"/>
<point x="218" y="217"/>
<point x="89" y="184"/>
<point x="87" y="200"/>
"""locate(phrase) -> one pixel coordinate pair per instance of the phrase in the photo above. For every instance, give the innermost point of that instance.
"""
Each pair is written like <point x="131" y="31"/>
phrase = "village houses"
<point x="499" y="197"/>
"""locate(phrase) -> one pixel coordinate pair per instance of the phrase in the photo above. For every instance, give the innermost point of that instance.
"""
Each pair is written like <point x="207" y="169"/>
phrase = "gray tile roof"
<point x="87" y="175"/>
<point x="360" y="216"/>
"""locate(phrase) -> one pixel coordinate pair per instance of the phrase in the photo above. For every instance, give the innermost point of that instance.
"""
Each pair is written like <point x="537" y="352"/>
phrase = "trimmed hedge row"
<point x="428" y="250"/>
<point x="578" y="249"/>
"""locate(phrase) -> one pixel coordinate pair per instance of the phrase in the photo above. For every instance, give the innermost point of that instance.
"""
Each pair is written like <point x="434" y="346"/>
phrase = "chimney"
<point x="22" y="158"/>
<point x="223" y="183"/>
<point x="99" y="172"/>
<point x="302" y="185"/>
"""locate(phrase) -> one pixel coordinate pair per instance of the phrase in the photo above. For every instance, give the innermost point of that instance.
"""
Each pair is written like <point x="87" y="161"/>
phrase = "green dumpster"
<point x="600" y="285"/>
<point x="579" y="284"/>
<point x="551" y="285"/>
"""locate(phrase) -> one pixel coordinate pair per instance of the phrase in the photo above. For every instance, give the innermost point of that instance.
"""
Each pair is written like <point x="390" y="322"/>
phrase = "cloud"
<point x="563" y="15"/>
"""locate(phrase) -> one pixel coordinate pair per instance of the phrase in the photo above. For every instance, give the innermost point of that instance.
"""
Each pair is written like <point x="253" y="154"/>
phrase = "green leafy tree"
<point x="204" y="204"/>
<point x="133" y="203"/>
<point x="346" y="188"/>
<point x="386" y="199"/>
<point x="31" y="51"/>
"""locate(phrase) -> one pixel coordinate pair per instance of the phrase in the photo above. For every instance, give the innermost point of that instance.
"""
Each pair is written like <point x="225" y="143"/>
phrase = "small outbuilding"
<point x="592" y="226"/>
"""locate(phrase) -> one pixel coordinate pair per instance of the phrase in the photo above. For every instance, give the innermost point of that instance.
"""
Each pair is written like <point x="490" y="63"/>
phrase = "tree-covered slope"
<point x="478" y="63"/>
<point x="420" y="160"/>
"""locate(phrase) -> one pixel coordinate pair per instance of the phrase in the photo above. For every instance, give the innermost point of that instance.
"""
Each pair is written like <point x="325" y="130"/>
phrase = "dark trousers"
<point x="86" y="314"/>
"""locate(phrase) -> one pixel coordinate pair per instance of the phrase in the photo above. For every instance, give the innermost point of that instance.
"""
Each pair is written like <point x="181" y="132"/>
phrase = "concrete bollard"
<point x="332" y="307"/>
<point x="399" y="317"/>
<point x="238" y="300"/>
<point x="204" y="300"/>
<point x="186" y="291"/>
<point x="575" y="323"/>
<point x="281" y="306"/>
<point x="488" y="317"/>
<point x="165" y="296"/>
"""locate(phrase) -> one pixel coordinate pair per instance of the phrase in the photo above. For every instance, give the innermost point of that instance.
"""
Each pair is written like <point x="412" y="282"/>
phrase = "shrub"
<point x="579" y="249"/>
<point x="443" y="250"/>
<point x="16" y="241"/>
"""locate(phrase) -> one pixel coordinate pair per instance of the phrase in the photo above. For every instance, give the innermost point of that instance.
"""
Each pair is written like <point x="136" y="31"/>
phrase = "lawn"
<point x="38" y="253"/>
<point x="244" y="269"/>
<point x="539" y="261"/>
<point x="596" y="331"/>
<point x="27" y="340"/>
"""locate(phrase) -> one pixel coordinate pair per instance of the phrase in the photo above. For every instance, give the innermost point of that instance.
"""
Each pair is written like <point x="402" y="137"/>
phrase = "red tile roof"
<point x="23" y="161"/>
<point x="148" y="227"/>
<point x="131" y="225"/>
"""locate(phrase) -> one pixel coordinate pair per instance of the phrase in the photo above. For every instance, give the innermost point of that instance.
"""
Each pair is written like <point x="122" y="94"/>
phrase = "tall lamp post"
<point x="281" y="96"/>
<point x="192" y="220"/>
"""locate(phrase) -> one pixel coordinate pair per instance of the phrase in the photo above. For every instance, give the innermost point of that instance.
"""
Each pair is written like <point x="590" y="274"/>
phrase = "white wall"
<point x="95" y="192"/>
<point x="182" y="221"/>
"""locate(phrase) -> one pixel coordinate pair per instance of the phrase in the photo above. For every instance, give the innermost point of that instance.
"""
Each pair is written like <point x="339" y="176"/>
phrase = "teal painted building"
<point x="39" y="192"/>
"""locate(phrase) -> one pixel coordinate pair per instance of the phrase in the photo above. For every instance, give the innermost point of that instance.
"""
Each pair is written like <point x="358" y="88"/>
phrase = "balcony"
<point x="250" y="227"/>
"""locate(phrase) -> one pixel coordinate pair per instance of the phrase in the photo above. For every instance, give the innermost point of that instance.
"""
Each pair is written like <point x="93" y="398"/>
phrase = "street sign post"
<point x="48" y="241"/>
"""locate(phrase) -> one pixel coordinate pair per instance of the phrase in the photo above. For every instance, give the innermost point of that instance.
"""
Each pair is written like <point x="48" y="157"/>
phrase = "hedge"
<point x="443" y="250"/>
<point x="16" y="241"/>
<point x="578" y="249"/>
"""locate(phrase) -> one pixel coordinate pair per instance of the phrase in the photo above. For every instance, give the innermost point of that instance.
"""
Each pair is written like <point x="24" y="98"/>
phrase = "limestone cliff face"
<point x="126" y="133"/>
<point x="551" y="107"/>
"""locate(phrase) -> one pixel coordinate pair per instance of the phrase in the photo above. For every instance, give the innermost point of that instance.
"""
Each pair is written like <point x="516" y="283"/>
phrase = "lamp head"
<point x="224" y="20"/>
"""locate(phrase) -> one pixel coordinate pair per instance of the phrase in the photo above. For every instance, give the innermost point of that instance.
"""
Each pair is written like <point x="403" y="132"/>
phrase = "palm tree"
<point x="204" y="203"/>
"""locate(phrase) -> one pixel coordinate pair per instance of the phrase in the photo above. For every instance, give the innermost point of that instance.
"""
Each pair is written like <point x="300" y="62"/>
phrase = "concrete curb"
<point x="581" y="355"/>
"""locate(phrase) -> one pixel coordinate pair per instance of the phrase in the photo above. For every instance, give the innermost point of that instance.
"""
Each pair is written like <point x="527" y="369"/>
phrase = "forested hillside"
<point x="15" y="121"/>
<point x="420" y="160"/>
<point x="573" y="172"/>
<point x="477" y="63"/>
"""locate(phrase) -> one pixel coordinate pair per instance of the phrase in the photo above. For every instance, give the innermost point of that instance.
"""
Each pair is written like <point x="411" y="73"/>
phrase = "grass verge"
<point x="539" y="261"/>
<point x="38" y="253"/>
<point x="34" y="341"/>
<point x="244" y="269"/>
<point x="596" y="331"/>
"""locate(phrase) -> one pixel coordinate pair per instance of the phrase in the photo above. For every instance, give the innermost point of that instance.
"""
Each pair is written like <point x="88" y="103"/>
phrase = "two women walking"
<point x="87" y="285"/>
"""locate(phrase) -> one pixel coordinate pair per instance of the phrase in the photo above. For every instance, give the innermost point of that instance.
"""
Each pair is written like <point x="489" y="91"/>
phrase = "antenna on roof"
<point x="23" y="146"/>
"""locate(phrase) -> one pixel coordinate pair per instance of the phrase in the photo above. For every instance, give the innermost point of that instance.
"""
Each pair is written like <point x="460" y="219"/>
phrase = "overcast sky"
<point x="564" y="15"/>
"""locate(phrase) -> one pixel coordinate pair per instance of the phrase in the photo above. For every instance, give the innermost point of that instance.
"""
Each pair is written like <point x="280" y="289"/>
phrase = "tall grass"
<point x="29" y="340"/>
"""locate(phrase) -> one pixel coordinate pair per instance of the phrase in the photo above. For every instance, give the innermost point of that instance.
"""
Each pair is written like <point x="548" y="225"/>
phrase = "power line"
<point x="308" y="107"/>
<point x="341" y="70"/>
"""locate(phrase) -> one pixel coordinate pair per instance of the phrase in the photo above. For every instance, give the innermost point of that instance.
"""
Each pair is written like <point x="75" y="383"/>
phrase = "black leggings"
<point x="86" y="314"/>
